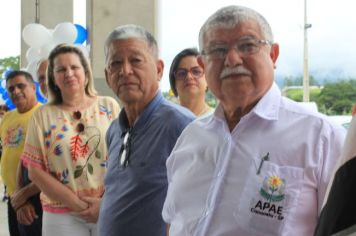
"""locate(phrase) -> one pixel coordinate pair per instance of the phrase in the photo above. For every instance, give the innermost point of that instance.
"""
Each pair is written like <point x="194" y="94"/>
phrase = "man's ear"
<point x="160" y="68"/>
<point x="107" y="77"/>
<point x="200" y="61"/>
<point x="274" y="53"/>
<point x="34" y="87"/>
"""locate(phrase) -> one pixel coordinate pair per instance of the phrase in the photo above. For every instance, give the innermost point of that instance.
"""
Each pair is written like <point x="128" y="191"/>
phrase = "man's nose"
<point x="233" y="58"/>
<point x="16" y="90"/>
<point x="126" y="68"/>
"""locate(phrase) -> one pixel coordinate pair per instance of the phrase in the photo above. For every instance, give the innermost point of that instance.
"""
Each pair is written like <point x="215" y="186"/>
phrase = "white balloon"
<point x="46" y="49"/>
<point x="65" y="32"/>
<point x="31" y="68"/>
<point x="32" y="54"/>
<point x="36" y="35"/>
<point x="84" y="50"/>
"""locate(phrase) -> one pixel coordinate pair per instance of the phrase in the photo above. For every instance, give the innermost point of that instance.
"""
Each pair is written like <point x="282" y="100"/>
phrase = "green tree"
<point x="9" y="62"/>
<point x="296" y="94"/>
<point x="337" y="98"/>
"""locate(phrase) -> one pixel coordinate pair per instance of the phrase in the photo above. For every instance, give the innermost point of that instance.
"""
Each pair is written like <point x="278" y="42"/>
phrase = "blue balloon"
<point x="82" y="34"/>
<point x="6" y="72"/>
<point x="42" y="99"/>
<point x="10" y="105"/>
<point x="5" y="96"/>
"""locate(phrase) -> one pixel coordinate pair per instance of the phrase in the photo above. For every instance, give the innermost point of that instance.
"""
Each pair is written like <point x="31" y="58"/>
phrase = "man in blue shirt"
<point x="141" y="139"/>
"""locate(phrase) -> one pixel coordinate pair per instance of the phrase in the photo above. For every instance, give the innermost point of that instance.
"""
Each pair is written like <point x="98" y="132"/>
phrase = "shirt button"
<point x="207" y="212"/>
<point x="219" y="174"/>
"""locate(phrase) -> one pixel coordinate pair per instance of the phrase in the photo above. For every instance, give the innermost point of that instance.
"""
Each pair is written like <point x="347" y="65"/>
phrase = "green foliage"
<point x="337" y="98"/>
<point x="332" y="99"/>
<point x="296" y="94"/>
<point x="9" y="62"/>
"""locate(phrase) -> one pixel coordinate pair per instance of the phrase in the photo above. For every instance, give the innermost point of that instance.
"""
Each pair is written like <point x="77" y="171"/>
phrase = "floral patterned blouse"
<point x="71" y="147"/>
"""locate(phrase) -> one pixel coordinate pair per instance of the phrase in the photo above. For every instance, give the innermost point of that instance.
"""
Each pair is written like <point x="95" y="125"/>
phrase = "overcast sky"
<point x="332" y="38"/>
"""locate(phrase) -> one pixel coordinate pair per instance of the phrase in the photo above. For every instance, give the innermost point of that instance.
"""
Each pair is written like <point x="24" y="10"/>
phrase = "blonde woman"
<point x="65" y="149"/>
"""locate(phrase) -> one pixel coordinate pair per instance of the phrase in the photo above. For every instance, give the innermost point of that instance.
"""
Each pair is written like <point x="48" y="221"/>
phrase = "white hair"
<point x="231" y="16"/>
<point x="130" y="31"/>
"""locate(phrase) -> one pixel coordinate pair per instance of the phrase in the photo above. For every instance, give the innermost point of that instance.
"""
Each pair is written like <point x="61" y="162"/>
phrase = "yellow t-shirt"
<point x="75" y="158"/>
<point x="13" y="128"/>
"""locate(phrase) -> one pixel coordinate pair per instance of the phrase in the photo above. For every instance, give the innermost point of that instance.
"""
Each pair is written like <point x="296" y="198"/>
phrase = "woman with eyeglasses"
<point x="188" y="82"/>
<point x="65" y="148"/>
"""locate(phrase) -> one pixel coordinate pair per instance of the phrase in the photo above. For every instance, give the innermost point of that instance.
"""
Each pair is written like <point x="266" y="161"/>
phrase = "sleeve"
<point x="115" y="109"/>
<point x="167" y="211"/>
<point x="168" y="206"/>
<point x="330" y="153"/>
<point x="34" y="148"/>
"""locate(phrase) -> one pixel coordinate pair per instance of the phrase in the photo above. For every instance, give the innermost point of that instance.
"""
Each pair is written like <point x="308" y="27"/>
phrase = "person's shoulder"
<point x="173" y="109"/>
<point x="310" y="114"/>
<point x="44" y="109"/>
<point x="111" y="103"/>
<point x="300" y="109"/>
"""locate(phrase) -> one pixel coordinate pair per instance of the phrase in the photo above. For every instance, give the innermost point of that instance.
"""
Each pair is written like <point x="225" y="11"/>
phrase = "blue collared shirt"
<point x="134" y="195"/>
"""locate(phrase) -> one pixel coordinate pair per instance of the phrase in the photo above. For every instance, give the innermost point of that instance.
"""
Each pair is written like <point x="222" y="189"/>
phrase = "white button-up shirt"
<point x="266" y="177"/>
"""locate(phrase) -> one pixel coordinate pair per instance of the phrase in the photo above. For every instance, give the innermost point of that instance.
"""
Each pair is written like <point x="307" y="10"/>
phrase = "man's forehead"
<point x="247" y="28"/>
<point x="131" y="44"/>
<point x="17" y="80"/>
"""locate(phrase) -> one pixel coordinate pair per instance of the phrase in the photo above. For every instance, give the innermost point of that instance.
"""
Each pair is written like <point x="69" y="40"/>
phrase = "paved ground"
<point x="3" y="213"/>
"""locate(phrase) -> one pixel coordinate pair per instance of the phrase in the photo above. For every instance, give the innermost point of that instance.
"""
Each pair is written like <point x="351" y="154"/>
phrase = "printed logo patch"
<point x="272" y="193"/>
<point x="273" y="189"/>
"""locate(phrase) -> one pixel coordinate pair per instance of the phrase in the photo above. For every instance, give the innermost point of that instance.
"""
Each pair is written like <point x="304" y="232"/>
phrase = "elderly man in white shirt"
<point x="261" y="163"/>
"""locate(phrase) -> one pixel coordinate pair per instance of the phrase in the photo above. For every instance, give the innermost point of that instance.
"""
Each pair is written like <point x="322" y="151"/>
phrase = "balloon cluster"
<point x="41" y="41"/>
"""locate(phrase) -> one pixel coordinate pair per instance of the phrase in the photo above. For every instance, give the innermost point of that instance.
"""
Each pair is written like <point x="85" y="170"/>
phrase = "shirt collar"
<point x="267" y="108"/>
<point x="144" y="116"/>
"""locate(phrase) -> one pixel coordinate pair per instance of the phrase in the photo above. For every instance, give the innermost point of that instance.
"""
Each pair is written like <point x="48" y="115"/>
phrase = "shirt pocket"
<point x="269" y="198"/>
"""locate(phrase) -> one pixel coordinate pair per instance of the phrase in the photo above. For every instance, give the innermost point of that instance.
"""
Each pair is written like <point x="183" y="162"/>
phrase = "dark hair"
<point x="16" y="73"/>
<point x="55" y="95"/>
<point x="175" y="63"/>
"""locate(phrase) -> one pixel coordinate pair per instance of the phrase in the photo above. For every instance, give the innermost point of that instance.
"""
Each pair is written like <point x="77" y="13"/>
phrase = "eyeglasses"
<point x="245" y="47"/>
<point x="125" y="148"/>
<point x="80" y="126"/>
<point x="20" y="86"/>
<point x="182" y="73"/>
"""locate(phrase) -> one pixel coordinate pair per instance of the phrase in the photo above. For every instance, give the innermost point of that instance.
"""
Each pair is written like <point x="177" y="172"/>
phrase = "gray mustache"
<point x="234" y="71"/>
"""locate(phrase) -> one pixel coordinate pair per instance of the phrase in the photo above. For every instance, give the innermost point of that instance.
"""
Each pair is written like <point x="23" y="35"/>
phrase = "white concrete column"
<point x="103" y="17"/>
<point x="46" y="12"/>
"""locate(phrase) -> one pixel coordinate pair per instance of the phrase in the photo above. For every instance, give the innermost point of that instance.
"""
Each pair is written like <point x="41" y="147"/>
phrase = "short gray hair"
<point x="230" y="16"/>
<point x="130" y="31"/>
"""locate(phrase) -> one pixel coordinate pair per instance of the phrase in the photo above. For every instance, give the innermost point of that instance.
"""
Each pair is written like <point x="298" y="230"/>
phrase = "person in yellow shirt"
<point x="24" y="208"/>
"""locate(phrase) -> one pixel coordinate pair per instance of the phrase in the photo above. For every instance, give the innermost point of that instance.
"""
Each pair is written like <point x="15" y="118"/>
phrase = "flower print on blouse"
<point x="72" y="147"/>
